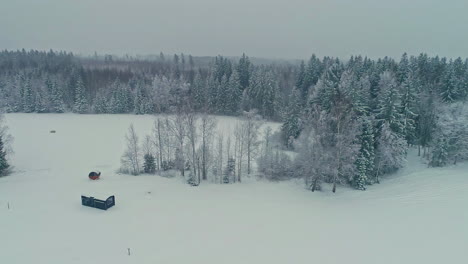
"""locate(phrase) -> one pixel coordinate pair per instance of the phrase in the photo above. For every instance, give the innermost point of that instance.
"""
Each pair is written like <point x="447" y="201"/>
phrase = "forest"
<point x="344" y="122"/>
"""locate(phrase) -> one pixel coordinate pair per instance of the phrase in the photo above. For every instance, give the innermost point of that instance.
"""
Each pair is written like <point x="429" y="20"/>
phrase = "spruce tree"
<point x="450" y="90"/>
<point x="244" y="71"/>
<point x="291" y="127"/>
<point x="300" y="75"/>
<point x="409" y="89"/>
<point x="440" y="153"/>
<point x="149" y="165"/>
<point x="403" y="68"/>
<point x="139" y="104"/>
<point x="389" y="104"/>
<point x="311" y="75"/>
<point x="229" y="173"/>
<point x="233" y="95"/>
<point x="80" y="104"/>
<point x="58" y="105"/>
<point x="3" y="160"/>
<point x="28" y="97"/>
<point x="199" y="93"/>
<point x="366" y="156"/>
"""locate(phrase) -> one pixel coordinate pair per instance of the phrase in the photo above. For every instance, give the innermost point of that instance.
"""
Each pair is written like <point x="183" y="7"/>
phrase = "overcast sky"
<point x="260" y="28"/>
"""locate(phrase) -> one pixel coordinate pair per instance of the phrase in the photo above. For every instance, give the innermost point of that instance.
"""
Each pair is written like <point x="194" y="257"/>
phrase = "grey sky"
<point x="261" y="28"/>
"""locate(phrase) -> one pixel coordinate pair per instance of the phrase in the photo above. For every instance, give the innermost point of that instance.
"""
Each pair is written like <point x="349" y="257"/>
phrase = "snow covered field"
<point x="419" y="215"/>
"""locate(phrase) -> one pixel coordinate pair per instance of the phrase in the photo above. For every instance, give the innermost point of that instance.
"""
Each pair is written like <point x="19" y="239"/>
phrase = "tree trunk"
<point x="314" y="186"/>
<point x="204" y="156"/>
<point x="248" y="160"/>
<point x="160" y="145"/>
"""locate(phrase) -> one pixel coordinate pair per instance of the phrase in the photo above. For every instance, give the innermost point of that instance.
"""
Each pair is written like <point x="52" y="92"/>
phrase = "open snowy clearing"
<point x="416" y="216"/>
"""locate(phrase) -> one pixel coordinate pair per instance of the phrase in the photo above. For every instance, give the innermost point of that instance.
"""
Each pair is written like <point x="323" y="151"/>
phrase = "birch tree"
<point x="131" y="157"/>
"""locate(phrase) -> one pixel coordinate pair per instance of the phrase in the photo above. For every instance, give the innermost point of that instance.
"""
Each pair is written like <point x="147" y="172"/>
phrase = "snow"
<point x="418" y="215"/>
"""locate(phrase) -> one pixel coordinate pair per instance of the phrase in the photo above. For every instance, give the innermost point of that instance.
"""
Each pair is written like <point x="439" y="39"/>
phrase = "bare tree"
<point x="207" y="130"/>
<point x="219" y="161"/>
<point x="131" y="157"/>
<point x="251" y="124"/>
<point x="239" y="149"/>
<point x="161" y="140"/>
<point x="192" y="135"/>
<point x="229" y="157"/>
<point x="157" y="139"/>
<point x="148" y="146"/>
<point x="177" y="127"/>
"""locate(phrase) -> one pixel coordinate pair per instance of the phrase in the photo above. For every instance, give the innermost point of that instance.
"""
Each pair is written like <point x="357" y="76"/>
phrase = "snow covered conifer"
<point x="233" y="95"/>
<point x="80" y="103"/>
<point x="28" y="97"/>
<point x="149" y="165"/>
<point x="5" y="147"/>
<point x="409" y="89"/>
<point x="57" y="103"/>
<point x="291" y="127"/>
<point x="450" y="88"/>
<point x="365" y="160"/>
<point x="403" y="68"/>
<point x="390" y="153"/>
<point x="389" y="103"/>
<point x="230" y="171"/>
<point x="440" y="153"/>
<point x="3" y="160"/>
<point x="244" y="71"/>
<point x="311" y="75"/>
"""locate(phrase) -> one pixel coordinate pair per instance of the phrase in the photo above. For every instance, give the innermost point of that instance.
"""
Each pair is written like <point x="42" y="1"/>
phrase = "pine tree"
<point x="403" y="68"/>
<point x="439" y="155"/>
<point x="263" y="90"/>
<point x="58" y="105"/>
<point x="311" y="76"/>
<point x="3" y="160"/>
<point x="390" y="152"/>
<point x="365" y="160"/>
<point x="357" y="91"/>
<point x="149" y="165"/>
<point x="244" y="71"/>
<point x="40" y="102"/>
<point x="80" y="103"/>
<point x="300" y="75"/>
<point x="233" y="95"/>
<point x="229" y="173"/>
<point x="409" y="89"/>
<point x="28" y="97"/>
<point x="199" y="93"/>
<point x="327" y="87"/>
<point x="389" y="104"/>
<point x="291" y="127"/>
<point x="141" y="104"/>
<point x="450" y="90"/>
<point x="100" y="104"/>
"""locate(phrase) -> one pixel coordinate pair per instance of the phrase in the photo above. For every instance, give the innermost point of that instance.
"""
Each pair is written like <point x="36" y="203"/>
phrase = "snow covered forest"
<point x="343" y="121"/>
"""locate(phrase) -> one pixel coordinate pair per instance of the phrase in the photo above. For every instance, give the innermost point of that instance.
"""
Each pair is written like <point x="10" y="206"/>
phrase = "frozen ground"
<point x="419" y="215"/>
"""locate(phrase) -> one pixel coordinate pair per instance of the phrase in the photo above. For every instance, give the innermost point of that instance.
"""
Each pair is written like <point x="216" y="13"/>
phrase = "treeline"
<point x="60" y="82"/>
<point x="353" y="122"/>
<point x="346" y="121"/>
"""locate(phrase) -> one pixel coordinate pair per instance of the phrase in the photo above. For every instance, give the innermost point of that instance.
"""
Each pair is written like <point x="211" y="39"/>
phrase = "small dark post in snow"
<point x="8" y="205"/>
<point x="128" y="251"/>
